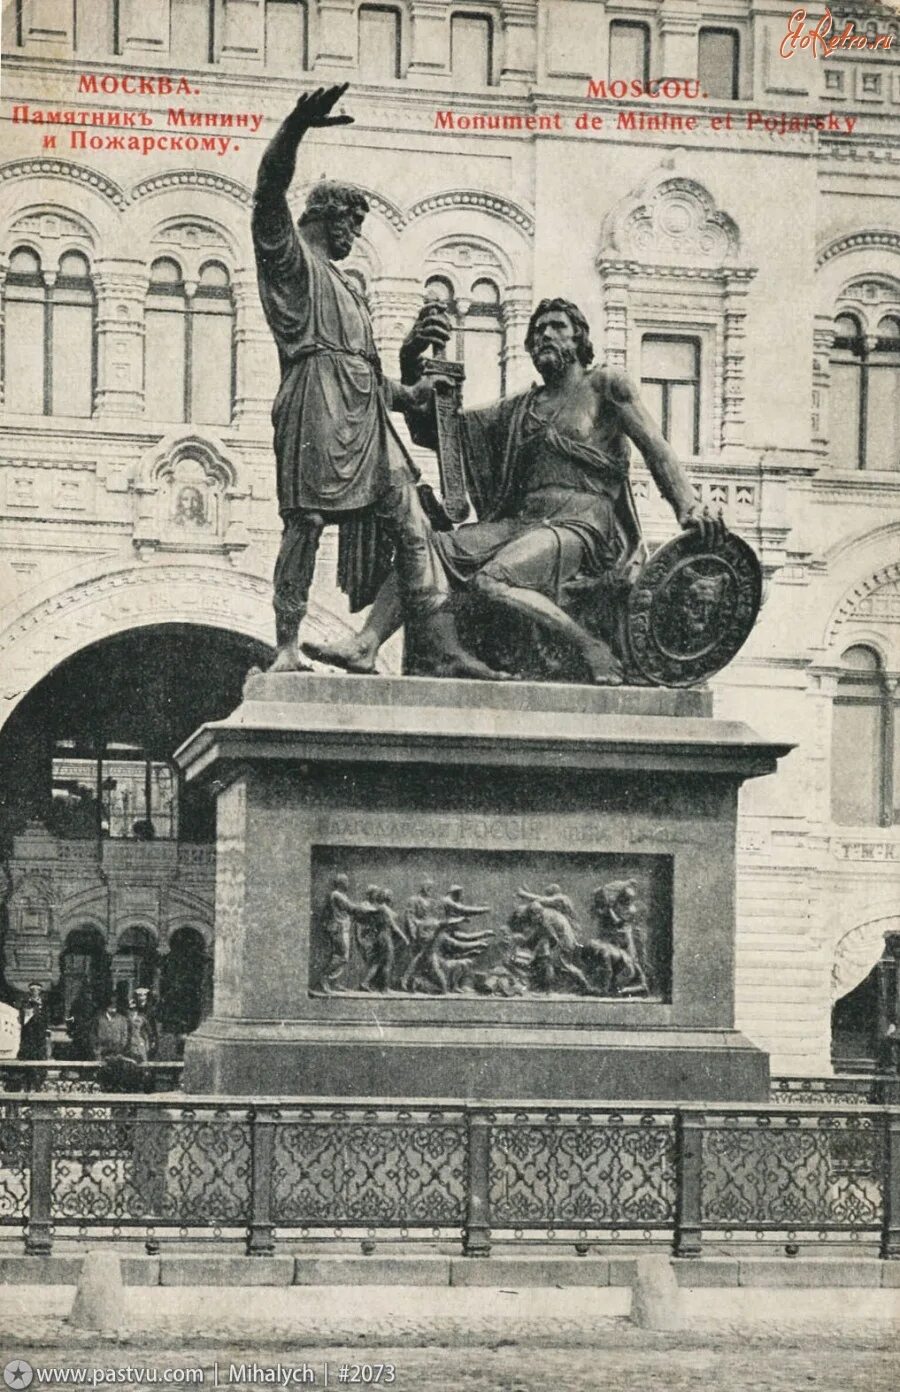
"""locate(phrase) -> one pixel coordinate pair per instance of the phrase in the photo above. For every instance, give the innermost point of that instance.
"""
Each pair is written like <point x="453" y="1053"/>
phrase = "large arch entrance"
<point x="88" y="752"/>
<point x="94" y="814"/>
<point x="865" y="1020"/>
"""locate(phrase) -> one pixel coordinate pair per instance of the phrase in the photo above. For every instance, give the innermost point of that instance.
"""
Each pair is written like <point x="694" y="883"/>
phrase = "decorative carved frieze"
<point x="394" y="922"/>
<point x="68" y="171"/>
<point x="193" y="179"/>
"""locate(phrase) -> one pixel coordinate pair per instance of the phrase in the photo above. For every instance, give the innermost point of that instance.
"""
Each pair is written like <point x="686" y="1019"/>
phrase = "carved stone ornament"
<point x="538" y="943"/>
<point x="692" y="608"/>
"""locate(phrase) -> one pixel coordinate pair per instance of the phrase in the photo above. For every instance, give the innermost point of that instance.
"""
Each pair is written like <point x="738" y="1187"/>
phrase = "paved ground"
<point x="428" y="1339"/>
<point x="421" y="1316"/>
<point x="660" y="1364"/>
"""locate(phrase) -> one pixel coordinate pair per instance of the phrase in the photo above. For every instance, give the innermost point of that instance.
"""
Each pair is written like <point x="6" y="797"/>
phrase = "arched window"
<point x="865" y="757"/>
<point x="629" y="51"/>
<point x="471" y="50"/>
<point x="287" y="36"/>
<point x="134" y="962"/>
<point x="379" y="43"/>
<point x="478" y="339"/>
<point x="482" y="329"/>
<point x="188" y="345"/>
<point x="85" y="975"/>
<point x="185" y="984"/>
<point x="718" y="60"/>
<point x="864" y="405"/>
<point x="49" y="335"/>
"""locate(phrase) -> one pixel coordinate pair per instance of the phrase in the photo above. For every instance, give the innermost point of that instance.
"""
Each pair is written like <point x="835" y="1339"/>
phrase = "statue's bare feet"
<point x="290" y="659"/>
<point x="465" y="665"/>
<point x="606" y="669"/>
<point x="351" y="654"/>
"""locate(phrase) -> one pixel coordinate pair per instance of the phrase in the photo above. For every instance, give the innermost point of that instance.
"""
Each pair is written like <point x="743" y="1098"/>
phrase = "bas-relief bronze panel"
<point x="511" y="924"/>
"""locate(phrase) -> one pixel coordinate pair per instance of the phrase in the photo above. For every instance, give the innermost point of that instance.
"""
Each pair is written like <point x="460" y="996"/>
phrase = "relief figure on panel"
<point x="432" y="948"/>
<point x="616" y="952"/>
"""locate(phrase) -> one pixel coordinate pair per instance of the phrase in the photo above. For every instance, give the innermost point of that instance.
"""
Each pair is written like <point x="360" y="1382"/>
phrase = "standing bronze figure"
<point x="339" y="458"/>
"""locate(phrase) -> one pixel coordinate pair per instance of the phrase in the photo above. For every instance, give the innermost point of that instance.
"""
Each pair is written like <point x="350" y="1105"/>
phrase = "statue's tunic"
<point x="334" y="443"/>
<point x="523" y="473"/>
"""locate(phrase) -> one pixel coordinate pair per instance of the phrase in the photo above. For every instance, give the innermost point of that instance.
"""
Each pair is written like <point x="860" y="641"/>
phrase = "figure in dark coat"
<point x="339" y="457"/>
<point x="34" y="1025"/>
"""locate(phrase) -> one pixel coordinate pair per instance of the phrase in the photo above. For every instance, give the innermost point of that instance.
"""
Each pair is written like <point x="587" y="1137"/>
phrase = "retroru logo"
<point x="818" y="36"/>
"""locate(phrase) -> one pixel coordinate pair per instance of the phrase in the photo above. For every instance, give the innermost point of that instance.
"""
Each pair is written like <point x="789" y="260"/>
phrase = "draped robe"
<point x="335" y="446"/>
<point x="521" y="473"/>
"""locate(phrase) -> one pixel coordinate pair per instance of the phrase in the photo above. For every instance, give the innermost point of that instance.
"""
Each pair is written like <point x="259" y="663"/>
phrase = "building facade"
<point x="733" y="236"/>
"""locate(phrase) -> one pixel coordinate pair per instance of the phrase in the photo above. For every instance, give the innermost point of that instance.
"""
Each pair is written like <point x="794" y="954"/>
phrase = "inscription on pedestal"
<point x="447" y="922"/>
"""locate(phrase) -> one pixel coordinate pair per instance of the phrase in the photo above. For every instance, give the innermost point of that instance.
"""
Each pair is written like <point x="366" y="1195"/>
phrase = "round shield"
<point x="692" y="607"/>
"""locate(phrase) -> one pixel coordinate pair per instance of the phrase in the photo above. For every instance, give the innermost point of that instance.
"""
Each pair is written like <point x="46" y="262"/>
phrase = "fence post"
<point x="890" y="1226"/>
<point x="688" y="1183"/>
<point x="477" y="1234"/>
<point x="38" y="1242"/>
<point x="261" y="1237"/>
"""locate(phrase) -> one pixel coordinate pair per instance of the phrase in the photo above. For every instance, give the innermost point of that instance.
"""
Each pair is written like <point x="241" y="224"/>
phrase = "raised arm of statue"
<point x="276" y="169"/>
<point x="274" y="235"/>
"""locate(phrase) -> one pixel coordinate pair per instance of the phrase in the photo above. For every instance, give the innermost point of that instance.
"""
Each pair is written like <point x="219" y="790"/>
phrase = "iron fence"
<point x="60" y="1075"/>
<point x="153" y="1168"/>
<point x="63" y="1075"/>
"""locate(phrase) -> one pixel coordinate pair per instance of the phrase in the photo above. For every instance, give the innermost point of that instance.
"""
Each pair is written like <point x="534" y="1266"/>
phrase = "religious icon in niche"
<point x="190" y="507"/>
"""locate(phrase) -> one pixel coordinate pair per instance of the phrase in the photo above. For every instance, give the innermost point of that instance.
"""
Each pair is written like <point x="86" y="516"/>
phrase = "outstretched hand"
<point x="312" y="109"/>
<point x="701" y="523"/>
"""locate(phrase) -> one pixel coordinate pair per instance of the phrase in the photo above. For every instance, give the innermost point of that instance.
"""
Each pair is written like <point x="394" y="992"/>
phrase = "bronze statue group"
<point x="545" y="470"/>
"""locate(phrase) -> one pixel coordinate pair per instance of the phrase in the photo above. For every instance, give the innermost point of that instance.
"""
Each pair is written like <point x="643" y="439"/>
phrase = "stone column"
<point x="430" y="38"/>
<point x="732" y="435"/>
<point x="242" y="32"/>
<point x="256" y="377"/>
<point x="678" y="30"/>
<point x="823" y="345"/>
<point x="145" y="28"/>
<point x="518" y="370"/>
<point x="335" y="37"/>
<point x="121" y="288"/>
<point x="48" y="27"/>
<point x="3" y="273"/>
<point x="518" y="57"/>
<point x="822" y="691"/>
<point x="615" y="280"/>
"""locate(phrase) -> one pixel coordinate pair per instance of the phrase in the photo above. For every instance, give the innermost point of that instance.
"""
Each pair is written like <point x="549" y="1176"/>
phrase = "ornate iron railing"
<point x="842" y="1090"/>
<point x="152" y="1167"/>
<point x="59" y="1075"/>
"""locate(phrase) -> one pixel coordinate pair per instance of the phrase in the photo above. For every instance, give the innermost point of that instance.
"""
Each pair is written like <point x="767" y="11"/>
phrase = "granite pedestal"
<point x="494" y="787"/>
